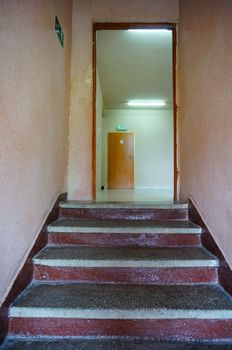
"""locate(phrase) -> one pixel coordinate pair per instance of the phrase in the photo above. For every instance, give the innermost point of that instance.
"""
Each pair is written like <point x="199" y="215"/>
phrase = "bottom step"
<point x="109" y="344"/>
<point x="176" y="312"/>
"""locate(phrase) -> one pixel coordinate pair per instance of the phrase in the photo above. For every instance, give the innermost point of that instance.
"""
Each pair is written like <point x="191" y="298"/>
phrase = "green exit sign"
<point x="59" y="31"/>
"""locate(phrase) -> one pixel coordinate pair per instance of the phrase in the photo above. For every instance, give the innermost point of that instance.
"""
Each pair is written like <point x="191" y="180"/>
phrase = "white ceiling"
<point x="134" y="65"/>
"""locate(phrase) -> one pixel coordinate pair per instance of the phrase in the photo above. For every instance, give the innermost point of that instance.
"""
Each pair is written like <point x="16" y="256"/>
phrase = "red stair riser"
<point x="127" y="275"/>
<point x="175" y="329"/>
<point x="125" y="214"/>
<point x="124" y="239"/>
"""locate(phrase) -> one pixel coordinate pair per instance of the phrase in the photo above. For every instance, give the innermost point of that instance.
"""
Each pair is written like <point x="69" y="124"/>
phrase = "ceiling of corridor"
<point x="134" y="66"/>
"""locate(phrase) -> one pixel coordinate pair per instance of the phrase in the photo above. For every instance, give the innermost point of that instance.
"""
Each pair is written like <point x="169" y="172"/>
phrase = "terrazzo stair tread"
<point x="124" y="210"/>
<point x="109" y="344"/>
<point x="124" y="256"/>
<point x="125" y="226"/>
<point x="123" y="205"/>
<point x="110" y="301"/>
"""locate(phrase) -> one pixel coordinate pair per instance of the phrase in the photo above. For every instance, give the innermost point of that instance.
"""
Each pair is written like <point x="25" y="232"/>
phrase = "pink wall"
<point x="84" y="14"/>
<point x="34" y="91"/>
<point x="205" y="113"/>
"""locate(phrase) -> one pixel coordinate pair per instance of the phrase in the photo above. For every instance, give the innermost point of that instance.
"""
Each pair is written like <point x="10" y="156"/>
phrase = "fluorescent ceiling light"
<point x="153" y="103"/>
<point x="163" y="30"/>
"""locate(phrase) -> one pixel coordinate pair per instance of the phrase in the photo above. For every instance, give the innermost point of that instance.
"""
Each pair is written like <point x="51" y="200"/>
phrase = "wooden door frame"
<point x="124" y="26"/>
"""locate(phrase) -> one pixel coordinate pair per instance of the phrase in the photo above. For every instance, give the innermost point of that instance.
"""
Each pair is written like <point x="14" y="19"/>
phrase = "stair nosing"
<point x="122" y="205"/>
<point x="127" y="263"/>
<point x="79" y="229"/>
<point x="159" y="313"/>
<point x="122" y="229"/>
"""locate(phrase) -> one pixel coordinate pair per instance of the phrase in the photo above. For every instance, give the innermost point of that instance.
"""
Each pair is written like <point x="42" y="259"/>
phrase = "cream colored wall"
<point x="84" y="14"/>
<point x="34" y="93"/>
<point x="99" y="136"/>
<point x="153" y="145"/>
<point x="205" y="113"/>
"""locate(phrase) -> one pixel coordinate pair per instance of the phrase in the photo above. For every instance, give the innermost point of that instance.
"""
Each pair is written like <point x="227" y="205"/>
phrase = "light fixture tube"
<point x="157" y="103"/>
<point x="161" y="30"/>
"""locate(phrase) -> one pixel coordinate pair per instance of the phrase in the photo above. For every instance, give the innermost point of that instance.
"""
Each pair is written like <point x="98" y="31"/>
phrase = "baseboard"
<point x="26" y="273"/>
<point x="224" y="270"/>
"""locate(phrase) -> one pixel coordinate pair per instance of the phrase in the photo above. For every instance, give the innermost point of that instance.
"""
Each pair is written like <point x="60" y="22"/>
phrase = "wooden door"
<point x="121" y="160"/>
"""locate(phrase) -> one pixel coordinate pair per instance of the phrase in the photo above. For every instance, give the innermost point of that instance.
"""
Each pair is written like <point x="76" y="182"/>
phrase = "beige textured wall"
<point x="34" y="91"/>
<point x="205" y="113"/>
<point x="84" y="14"/>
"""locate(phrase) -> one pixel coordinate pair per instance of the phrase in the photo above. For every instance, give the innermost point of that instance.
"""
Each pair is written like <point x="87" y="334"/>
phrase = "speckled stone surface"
<point x="123" y="226"/>
<point x="124" y="256"/>
<point x="123" y="205"/>
<point x="109" y="344"/>
<point x="123" y="301"/>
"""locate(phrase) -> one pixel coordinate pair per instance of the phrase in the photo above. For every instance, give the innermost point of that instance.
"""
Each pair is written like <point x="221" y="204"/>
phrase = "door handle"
<point x="131" y="156"/>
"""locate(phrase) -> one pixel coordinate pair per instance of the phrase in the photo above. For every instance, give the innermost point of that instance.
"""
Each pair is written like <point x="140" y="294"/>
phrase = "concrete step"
<point x="125" y="257"/>
<point x="124" y="210"/>
<point x="161" y="312"/>
<point x="124" y="226"/>
<point x="126" y="265"/>
<point x="124" y="233"/>
<point x="109" y="344"/>
<point x="107" y="301"/>
<point x="123" y="205"/>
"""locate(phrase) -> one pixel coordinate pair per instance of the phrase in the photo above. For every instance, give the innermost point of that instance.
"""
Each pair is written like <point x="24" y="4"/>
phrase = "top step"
<point x="123" y="205"/>
<point x="124" y="210"/>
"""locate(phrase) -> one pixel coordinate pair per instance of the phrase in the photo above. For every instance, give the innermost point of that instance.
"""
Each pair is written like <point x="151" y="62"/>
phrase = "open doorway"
<point x="134" y="93"/>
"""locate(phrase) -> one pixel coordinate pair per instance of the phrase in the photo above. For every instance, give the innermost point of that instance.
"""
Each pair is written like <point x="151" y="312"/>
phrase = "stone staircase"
<point x="122" y="276"/>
